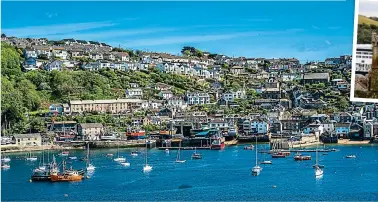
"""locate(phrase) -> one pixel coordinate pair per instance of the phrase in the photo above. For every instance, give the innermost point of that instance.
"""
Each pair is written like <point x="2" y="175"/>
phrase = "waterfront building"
<point x="103" y="106"/>
<point x="90" y="131"/>
<point x="33" y="139"/>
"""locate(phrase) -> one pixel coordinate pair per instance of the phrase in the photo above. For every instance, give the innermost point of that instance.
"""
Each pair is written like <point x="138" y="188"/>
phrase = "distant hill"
<point x="365" y="20"/>
<point x="365" y="28"/>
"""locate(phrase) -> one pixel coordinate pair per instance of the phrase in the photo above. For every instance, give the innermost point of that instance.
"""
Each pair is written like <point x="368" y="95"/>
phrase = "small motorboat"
<point x="134" y="153"/>
<point x="167" y="151"/>
<point x="333" y="149"/>
<point x="180" y="161"/>
<point x="5" y="159"/>
<point x="350" y="156"/>
<point x="251" y="147"/>
<point x="33" y="158"/>
<point x="125" y="164"/>
<point x="72" y="157"/>
<point x="5" y="166"/>
<point x="266" y="162"/>
<point x="65" y="153"/>
<point x="109" y="155"/>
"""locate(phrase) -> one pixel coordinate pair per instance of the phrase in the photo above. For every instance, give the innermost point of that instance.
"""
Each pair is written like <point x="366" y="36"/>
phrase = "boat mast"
<point x="146" y="152"/>
<point x="256" y="149"/>
<point x="88" y="162"/>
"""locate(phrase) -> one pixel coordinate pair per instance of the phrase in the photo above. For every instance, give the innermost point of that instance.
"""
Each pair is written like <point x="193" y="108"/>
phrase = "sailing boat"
<point x="42" y="165"/>
<point x="318" y="170"/>
<point x="146" y="167"/>
<point x="257" y="169"/>
<point x="266" y="161"/>
<point x="31" y="158"/>
<point x="119" y="158"/>
<point x="178" y="155"/>
<point x="90" y="167"/>
<point x="196" y="155"/>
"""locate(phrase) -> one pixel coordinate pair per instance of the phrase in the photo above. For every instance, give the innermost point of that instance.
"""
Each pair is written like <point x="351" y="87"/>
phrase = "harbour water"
<point x="222" y="175"/>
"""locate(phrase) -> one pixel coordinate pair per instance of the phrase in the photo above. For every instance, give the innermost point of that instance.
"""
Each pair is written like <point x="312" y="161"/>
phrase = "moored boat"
<point x="300" y="157"/>
<point x="278" y="155"/>
<point x="217" y="144"/>
<point x="5" y="166"/>
<point x="5" y="159"/>
<point x="196" y="155"/>
<point x="66" y="177"/>
<point x="350" y="156"/>
<point x="251" y="147"/>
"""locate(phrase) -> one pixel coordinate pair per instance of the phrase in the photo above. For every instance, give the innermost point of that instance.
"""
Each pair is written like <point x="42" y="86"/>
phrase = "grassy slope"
<point x="363" y="19"/>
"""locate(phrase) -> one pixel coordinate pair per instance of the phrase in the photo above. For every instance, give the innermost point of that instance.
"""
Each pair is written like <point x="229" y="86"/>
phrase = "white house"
<point x="62" y="54"/>
<point x="134" y="92"/>
<point x="177" y="102"/>
<point x="194" y="98"/>
<point x="231" y="96"/>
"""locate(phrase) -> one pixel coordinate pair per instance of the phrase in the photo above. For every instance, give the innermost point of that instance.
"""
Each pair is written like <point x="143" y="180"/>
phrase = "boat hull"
<point x="218" y="146"/>
<point x="66" y="178"/>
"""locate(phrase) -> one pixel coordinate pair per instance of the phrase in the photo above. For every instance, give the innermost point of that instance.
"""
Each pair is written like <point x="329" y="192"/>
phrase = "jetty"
<point x="185" y="148"/>
<point x="296" y="150"/>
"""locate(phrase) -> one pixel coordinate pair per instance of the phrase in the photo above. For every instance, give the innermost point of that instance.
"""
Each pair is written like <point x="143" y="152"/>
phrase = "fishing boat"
<point x="217" y="144"/>
<point x="119" y="158"/>
<point x="90" y="167"/>
<point x="5" y="159"/>
<point x="350" y="156"/>
<point x="266" y="161"/>
<point x="44" y="174"/>
<point x="136" y="134"/>
<point x="257" y="169"/>
<point x="318" y="169"/>
<point x="251" y="147"/>
<point x="178" y="160"/>
<point x="196" y="155"/>
<point x="64" y="153"/>
<point x="146" y="168"/>
<point x="31" y="158"/>
<point x="66" y="177"/>
<point x="134" y="153"/>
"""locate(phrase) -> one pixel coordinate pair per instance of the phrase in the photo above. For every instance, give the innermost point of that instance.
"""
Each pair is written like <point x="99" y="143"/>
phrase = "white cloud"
<point x="196" y="38"/>
<point x="368" y="8"/>
<point x="44" y="31"/>
<point x="110" y="34"/>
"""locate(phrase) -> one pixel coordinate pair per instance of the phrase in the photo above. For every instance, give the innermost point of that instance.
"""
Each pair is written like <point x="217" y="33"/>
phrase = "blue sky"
<point x="305" y="30"/>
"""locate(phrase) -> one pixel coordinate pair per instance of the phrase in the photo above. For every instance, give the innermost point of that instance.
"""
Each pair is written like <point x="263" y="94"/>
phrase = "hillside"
<point x="365" y="28"/>
<point x="365" y="20"/>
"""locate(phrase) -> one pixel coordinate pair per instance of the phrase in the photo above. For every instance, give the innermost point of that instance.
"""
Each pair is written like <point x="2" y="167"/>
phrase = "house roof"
<point x="91" y="125"/>
<point x="316" y="76"/>
<point x="30" y="135"/>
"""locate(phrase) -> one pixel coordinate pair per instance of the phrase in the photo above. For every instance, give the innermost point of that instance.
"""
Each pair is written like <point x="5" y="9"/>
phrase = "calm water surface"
<point x="221" y="175"/>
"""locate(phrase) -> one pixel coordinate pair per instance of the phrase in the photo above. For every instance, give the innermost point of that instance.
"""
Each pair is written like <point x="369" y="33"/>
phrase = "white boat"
<point x="31" y="158"/>
<point x="119" y="158"/>
<point x="178" y="160"/>
<point x="72" y="157"/>
<point x="64" y="153"/>
<point x="266" y="161"/>
<point x="5" y="166"/>
<point x="257" y="169"/>
<point x="167" y="151"/>
<point x="90" y="167"/>
<point x="351" y="156"/>
<point x="134" y="153"/>
<point x="125" y="164"/>
<point x="5" y="159"/>
<point x="146" y="168"/>
<point x="318" y="169"/>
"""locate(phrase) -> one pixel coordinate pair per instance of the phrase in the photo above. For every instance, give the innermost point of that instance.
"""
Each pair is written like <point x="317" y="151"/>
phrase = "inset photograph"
<point x="365" y="64"/>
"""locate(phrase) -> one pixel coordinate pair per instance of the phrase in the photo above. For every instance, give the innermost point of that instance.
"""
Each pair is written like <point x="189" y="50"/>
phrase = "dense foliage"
<point x="365" y="32"/>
